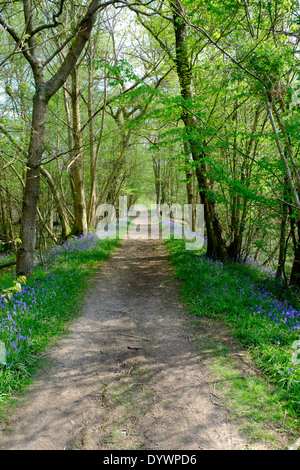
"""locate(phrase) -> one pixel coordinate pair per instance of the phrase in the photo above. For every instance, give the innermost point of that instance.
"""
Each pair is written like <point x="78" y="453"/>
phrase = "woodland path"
<point x="128" y="375"/>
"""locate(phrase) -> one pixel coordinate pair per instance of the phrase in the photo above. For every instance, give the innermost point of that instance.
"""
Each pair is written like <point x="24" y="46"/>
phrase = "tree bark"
<point x="5" y="237"/>
<point x="91" y="210"/>
<point x="190" y="187"/>
<point x="94" y="149"/>
<point x="295" y="273"/>
<point x="117" y="163"/>
<point x="25" y="253"/>
<point x="76" y="166"/>
<point x="282" y="238"/>
<point x="215" y="243"/>
<point x="294" y="186"/>
<point x="62" y="213"/>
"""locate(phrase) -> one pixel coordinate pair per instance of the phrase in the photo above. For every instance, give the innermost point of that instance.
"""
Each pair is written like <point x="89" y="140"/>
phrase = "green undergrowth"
<point x="264" y="319"/>
<point x="51" y="297"/>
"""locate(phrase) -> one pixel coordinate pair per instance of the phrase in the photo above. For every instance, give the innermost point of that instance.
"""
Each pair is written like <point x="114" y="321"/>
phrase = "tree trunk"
<point x="286" y="153"/>
<point x="91" y="210"/>
<point x="25" y="253"/>
<point x="94" y="149"/>
<point x="295" y="273"/>
<point x="76" y="166"/>
<point x="116" y="166"/>
<point x="282" y="242"/>
<point x="215" y="243"/>
<point x="62" y="213"/>
<point x="190" y="188"/>
<point x="4" y="236"/>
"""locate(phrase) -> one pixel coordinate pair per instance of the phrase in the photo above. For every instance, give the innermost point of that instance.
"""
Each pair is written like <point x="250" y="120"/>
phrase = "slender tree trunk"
<point x="238" y="219"/>
<point x="157" y="178"/>
<point x="76" y="166"/>
<point x="294" y="186"/>
<point x="62" y="213"/>
<point x="282" y="240"/>
<point x="91" y="212"/>
<point x="94" y="154"/>
<point x="4" y="235"/>
<point x="116" y="166"/>
<point x="190" y="187"/>
<point x="215" y="243"/>
<point x="295" y="274"/>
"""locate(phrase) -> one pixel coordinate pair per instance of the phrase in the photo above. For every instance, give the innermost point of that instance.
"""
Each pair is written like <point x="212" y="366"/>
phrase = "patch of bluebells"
<point x="18" y="316"/>
<point x="14" y="330"/>
<point x="70" y="247"/>
<point x="256" y="265"/>
<point x="81" y="244"/>
<point x="242" y="291"/>
<point x="30" y="305"/>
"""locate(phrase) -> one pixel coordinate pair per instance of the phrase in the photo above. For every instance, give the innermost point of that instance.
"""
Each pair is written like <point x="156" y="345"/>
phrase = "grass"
<point x="48" y="301"/>
<point x="264" y="318"/>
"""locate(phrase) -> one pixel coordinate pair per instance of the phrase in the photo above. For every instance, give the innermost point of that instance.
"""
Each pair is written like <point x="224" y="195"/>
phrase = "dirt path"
<point x="128" y="376"/>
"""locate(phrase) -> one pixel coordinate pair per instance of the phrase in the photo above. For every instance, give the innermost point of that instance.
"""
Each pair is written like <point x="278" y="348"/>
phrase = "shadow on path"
<point x="128" y="375"/>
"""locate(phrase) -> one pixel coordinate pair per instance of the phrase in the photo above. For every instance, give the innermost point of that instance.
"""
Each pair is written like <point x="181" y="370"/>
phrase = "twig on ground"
<point x="131" y="336"/>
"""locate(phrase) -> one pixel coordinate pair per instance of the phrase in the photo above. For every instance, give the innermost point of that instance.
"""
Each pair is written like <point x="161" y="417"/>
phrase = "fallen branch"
<point x="132" y="336"/>
<point x="7" y="265"/>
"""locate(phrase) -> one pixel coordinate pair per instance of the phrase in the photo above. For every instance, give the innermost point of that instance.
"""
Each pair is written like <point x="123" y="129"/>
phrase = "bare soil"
<point x="129" y="374"/>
